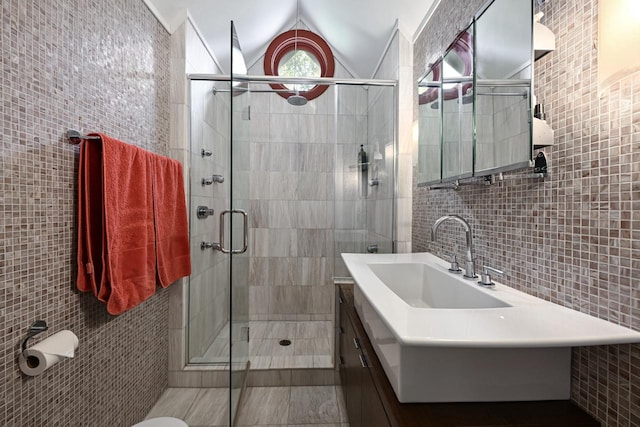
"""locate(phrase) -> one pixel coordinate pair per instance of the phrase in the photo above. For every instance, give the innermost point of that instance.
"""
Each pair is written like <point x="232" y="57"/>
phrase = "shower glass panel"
<point x="238" y="215"/>
<point x="365" y="171"/>
<point x="291" y="229"/>
<point x="218" y="328"/>
<point x="308" y="183"/>
<point x="208" y="331"/>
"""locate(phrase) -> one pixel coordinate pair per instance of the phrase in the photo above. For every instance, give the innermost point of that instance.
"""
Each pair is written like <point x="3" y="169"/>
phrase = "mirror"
<point x="503" y="81"/>
<point x="429" y="129"/>
<point x="480" y="91"/>
<point x="457" y="108"/>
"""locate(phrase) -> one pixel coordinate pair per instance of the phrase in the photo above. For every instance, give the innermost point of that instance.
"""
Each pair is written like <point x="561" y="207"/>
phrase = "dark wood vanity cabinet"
<point x="371" y="401"/>
<point x="364" y="406"/>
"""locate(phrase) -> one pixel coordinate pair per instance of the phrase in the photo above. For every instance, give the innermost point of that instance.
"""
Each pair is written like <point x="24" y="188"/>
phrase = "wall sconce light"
<point x="618" y="40"/>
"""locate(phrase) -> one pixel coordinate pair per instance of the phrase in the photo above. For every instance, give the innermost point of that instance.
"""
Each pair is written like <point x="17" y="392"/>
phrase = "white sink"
<point x="421" y="286"/>
<point x="442" y="338"/>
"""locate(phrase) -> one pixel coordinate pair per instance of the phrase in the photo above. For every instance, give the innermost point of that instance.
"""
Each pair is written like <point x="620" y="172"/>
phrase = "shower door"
<point x="238" y="228"/>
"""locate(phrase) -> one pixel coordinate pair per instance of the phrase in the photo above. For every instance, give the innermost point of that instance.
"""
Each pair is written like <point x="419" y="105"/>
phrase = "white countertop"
<point x="529" y="322"/>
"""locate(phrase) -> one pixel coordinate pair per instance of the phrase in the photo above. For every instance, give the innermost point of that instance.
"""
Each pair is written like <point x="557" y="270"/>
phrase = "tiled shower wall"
<point x="351" y="214"/>
<point x="92" y="66"/>
<point x="291" y="226"/>
<point x="209" y="283"/>
<point x="573" y="238"/>
<point x="294" y="194"/>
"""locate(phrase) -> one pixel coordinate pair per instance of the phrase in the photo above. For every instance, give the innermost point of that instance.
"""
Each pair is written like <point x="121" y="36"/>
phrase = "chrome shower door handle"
<point x="245" y="228"/>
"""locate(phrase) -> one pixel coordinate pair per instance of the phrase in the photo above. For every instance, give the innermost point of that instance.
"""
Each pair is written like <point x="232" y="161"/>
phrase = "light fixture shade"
<point x="618" y="40"/>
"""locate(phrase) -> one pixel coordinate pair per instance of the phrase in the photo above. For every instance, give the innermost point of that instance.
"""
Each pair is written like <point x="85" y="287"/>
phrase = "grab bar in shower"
<point x="220" y="246"/>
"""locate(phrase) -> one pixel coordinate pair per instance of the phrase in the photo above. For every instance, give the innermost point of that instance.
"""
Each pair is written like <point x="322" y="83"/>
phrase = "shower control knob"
<point x="213" y="178"/>
<point x="203" y="211"/>
<point x="209" y="245"/>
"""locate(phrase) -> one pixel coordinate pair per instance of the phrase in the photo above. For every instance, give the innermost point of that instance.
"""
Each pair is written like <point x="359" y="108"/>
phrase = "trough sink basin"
<point x="442" y="338"/>
<point x="423" y="287"/>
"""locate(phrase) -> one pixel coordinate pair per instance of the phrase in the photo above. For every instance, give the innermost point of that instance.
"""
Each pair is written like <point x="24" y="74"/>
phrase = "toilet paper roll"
<point x="43" y="355"/>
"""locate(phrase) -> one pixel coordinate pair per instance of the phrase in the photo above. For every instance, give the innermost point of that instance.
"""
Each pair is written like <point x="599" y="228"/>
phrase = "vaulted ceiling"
<point x="357" y="30"/>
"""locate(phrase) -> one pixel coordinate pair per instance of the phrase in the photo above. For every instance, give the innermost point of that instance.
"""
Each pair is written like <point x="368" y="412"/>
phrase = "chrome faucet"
<point x="469" y="272"/>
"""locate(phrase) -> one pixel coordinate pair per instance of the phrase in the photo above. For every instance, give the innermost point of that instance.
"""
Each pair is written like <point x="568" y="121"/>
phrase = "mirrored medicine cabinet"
<point x="475" y="103"/>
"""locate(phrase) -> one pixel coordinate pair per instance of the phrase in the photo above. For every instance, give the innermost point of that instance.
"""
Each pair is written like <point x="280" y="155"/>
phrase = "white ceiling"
<point x="357" y="30"/>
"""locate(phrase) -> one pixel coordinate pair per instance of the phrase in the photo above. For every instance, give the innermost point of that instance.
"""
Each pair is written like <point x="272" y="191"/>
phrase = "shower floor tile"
<point x="311" y="345"/>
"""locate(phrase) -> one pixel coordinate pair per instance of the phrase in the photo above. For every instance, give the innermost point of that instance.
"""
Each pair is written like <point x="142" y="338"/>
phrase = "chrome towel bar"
<point x="75" y="137"/>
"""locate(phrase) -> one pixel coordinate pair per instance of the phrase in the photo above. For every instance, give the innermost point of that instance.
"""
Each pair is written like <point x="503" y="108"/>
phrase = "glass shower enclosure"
<point x="278" y="192"/>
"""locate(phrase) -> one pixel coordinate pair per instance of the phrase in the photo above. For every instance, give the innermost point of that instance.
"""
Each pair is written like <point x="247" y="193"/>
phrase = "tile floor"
<point x="309" y="406"/>
<point x="311" y="345"/>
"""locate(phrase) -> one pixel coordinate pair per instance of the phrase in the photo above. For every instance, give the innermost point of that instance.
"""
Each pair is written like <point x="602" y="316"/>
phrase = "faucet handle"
<point x="485" y="277"/>
<point x="455" y="267"/>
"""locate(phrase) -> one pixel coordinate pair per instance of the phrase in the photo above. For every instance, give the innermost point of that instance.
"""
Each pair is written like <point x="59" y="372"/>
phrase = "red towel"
<point x="129" y="224"/>
<point x="170" y="211"/>
<point x="116" y="236"/>
<point x="91" y="233"/>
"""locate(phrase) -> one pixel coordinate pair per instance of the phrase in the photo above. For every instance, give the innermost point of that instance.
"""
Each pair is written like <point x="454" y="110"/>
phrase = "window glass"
<point x="299" y="63"/>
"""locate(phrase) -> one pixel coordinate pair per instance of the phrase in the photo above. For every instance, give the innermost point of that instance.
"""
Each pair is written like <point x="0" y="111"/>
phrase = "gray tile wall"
<point x="351" y="192"/>
<point x="92" y="66"/>
<point x="291" y="165"/>
<point x="299" y="191"/>
<point x="572" y="239"/>
<point x="209" y="280"/>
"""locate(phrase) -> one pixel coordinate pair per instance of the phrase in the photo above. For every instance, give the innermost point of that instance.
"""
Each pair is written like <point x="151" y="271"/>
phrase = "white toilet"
<point x="162" y="422"/>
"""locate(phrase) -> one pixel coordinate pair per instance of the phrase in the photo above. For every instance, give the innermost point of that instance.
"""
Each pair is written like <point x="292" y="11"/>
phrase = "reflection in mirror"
<point x="429" y="130"/>
<point x="458" y="64"/>
<point x="481" y="93"/>
<point x="457" y="108"/>
<point x="503" y="72"/>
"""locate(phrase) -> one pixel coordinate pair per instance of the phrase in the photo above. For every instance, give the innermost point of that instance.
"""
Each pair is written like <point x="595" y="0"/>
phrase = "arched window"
<point x="299" y="53"/>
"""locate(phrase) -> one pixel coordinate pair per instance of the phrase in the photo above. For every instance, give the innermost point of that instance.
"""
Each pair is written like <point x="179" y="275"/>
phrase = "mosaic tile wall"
<point x="89" y="66"/>
<point x="574" y="238"/>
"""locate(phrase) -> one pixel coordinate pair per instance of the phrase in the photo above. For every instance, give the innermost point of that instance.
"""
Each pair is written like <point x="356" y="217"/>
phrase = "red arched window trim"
<point x="301" y="40"/>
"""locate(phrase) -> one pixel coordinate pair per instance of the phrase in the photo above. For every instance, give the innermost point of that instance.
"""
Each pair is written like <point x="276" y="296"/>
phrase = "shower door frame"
<point x="248" y="79"/>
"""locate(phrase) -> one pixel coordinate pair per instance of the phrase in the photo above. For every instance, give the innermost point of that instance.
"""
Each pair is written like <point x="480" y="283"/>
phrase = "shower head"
<point x="297" y="99"/>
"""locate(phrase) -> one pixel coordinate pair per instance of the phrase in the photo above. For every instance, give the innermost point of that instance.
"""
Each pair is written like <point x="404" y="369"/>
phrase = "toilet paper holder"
<point x="38" y="327"/>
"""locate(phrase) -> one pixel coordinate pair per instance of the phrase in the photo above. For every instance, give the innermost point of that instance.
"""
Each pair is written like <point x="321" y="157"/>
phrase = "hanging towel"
<point x="128" y="207"/>
<point x="121" y="248"/>
<point x="170" y="213"/>
<point x="91" y="232"/>
<point x="132" y="223"/>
